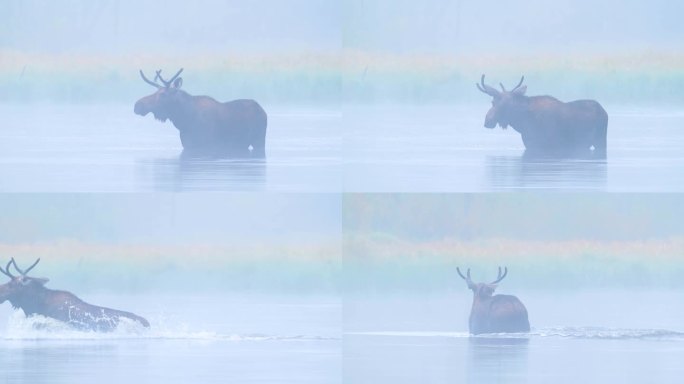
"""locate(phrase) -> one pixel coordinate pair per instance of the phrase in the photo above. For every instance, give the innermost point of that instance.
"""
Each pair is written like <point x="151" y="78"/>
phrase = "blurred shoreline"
<point x="350" y="76"/>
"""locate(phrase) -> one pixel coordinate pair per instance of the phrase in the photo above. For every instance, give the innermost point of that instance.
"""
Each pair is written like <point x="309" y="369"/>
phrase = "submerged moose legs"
<point x="30" y="295"/>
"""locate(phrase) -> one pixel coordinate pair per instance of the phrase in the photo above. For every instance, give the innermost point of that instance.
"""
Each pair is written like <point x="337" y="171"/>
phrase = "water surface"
<point x="199" y="338"/>
<point x="106" y="148"/>
<point x="447" y="149"/>
<point x="63" y="148"/>
<point x="577" y="336"/>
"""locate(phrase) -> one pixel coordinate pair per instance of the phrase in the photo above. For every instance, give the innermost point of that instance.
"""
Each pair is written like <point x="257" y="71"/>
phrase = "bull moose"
<point x="494" y="314"/>
<point x="207" y="127"/>
<point x="548" y="126"/>
<point x="30" y="294"/>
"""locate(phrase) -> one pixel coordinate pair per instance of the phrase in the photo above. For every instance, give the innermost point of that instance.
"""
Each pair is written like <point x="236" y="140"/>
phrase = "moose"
<point x="30" y="294"/>
<point x="207" y="127"/>
<point x="548" y="126"/>
<point x="494" y="314"/>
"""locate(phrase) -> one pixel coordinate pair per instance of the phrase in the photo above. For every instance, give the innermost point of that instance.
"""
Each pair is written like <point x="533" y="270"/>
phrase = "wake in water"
<point x="607" y="333"/>
<point x="20" y="327"/>
<point x="602" y="333"/>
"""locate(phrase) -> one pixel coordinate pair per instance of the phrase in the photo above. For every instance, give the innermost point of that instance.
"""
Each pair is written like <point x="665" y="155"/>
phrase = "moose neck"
<point x="183" y="113"/>
<point x="480" y="306"/>
<point x="31" y="301"/>
<point x="479" y="314"/>
<point x="519" y="120"/>
<point x="479" y="301"/>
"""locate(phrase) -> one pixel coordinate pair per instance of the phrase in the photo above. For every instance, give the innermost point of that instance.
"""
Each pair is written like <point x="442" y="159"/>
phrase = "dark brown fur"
<point x="548" y="126"/>
<point x="495" y="314"/>
<point x="30" y="294"/>
<point x="208" y="127"/>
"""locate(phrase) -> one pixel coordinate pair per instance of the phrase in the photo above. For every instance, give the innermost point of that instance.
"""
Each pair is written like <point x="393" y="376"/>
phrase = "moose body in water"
<point x="30" y="294"/>
<point x="207" y="127"/>
<point x="548" y="126"/>
<point x="495" y="314"/>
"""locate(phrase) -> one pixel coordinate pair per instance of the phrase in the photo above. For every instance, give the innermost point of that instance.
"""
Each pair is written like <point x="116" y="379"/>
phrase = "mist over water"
<point x="212" y="338"/>
<point x="598" y="274"/>
<point x="235" y="287"/>
<point x="106" y="148"/>
<point x="320" y="264"/>
<point x="440" y="148"/>
<point x="361" y="96"/>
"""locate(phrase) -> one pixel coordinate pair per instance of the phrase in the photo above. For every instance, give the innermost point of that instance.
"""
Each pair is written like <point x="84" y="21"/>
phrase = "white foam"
<point x="20" y="327"/>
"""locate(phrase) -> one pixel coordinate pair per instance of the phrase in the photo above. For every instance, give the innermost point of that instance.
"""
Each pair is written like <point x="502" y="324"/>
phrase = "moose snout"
<point x="490" y="119"/>
<point x="140" y="109"/>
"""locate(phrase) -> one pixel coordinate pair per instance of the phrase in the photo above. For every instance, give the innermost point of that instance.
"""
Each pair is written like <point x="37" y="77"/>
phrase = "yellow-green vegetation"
<point x="647" y="77"/>
<point x="90" y="266"/>
<point x="89" y="78"/>
<point x="384" y="261"/>
<point x="642" y="77"/>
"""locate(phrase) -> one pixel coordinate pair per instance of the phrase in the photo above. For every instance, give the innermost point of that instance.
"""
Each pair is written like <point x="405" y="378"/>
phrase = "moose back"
<point x="208" y="128"/>
<point x="30" y="294"/>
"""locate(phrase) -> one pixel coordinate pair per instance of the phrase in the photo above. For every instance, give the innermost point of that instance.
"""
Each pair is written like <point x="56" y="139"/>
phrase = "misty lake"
<point x="106" y="148"/>
<point x="360" y="149"/>
<point x="447" y="149"/>
<point x="207" y="339"/>
<point x="423" y="338"/>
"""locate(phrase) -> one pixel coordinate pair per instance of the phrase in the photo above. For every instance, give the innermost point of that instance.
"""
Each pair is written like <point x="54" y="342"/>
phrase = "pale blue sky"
<point x="520" y="26"/>
<point x="404" y="26"/>
<point x="119" y="26"/>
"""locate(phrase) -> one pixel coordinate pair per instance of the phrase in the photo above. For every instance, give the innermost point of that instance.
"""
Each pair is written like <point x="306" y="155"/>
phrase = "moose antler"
<point x="487" y="89"/>
<point x="467" y="278"/>
<point x="500" y="276"/>
<point x="6" y="271"/>
<point x="152" y="83"/>
<point x="519" y="84"/>
<point x="461" y="274"/>
<point x="168" y="83"/>
<point x="23" y="273"/>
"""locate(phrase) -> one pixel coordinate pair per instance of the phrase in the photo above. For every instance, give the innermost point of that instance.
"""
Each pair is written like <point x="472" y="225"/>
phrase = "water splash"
<point x="39" y="327"/>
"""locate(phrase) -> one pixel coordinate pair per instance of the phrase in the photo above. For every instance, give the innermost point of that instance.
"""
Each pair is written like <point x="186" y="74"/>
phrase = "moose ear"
<point x="178" y="83"/>
<point x="521" y="91"/>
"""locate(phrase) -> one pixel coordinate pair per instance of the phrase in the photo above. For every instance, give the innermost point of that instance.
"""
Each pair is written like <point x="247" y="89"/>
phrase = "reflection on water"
<point x="422" y="338"/>
<point x="219" y="338"/>
<point x="491" y="358"/>
<point x="510" y="172"/>
<point x="72" y="148"/>
<point x="445" y="149"/>
<point x="365" y="149"/>
<point x="192" y="174"/>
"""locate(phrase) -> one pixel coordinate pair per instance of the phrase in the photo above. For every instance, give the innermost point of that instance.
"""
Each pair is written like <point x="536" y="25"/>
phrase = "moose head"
<point x="20" y="286"/>
<point x="494" y="313"/>
<point x="482" y="290"/>
<point x="506" y="105"/>
<point x="30" y="295"/>
<point x="163" y="102"/>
